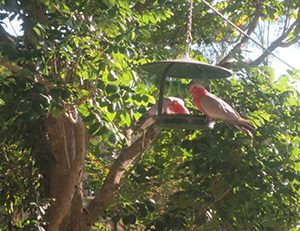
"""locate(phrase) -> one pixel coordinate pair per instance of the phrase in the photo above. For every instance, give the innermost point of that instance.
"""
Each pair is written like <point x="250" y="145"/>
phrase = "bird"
<point x="217" y="109"/>
<point x="171" y="106"/>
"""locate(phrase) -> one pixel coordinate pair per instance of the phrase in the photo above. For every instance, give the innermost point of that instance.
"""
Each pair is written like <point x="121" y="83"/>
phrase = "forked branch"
<point x="245" y="39"/>
<point x="280" y="41"/>
<point x="112" y="182"/>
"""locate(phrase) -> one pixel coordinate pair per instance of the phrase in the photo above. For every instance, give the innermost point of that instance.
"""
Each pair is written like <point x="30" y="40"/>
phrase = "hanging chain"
<point x="188" y="40"/>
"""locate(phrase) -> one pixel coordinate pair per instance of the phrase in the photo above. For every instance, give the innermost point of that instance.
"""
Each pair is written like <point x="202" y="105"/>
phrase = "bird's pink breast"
<point x="198" y="94"/>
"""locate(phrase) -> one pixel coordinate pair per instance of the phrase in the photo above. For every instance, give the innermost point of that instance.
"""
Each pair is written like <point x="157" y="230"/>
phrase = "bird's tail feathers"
<point x="245" y="126"/>
<point x="243" y="129"/>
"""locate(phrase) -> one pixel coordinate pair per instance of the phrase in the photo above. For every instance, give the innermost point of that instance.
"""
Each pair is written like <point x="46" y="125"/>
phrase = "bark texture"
<point x="67" y="143"/>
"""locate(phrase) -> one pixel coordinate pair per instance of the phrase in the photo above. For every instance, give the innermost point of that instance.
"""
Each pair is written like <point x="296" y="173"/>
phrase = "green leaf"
<point x="83" y="110"/>
<point x="125" y="118"/>
<point x="129" y="219"/>
<point x="2" y="102"/>
<point x="37" y="30"/>
<point x="111" y="88"/>
<point x="112" y="76"/>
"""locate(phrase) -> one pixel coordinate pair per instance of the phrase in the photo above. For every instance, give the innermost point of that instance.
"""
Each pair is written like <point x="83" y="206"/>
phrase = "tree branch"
<point x="266" y="53"/>
<point x="112" y="182"/>
<point x="11" y="42"/>
<point x="12" y="67"/>
<point x="292" y="42"/>
<point x="286" y="21"/>
<point x="278" y="42"/>
<point x="245" y="39"/>
<point x="6" y="37"/>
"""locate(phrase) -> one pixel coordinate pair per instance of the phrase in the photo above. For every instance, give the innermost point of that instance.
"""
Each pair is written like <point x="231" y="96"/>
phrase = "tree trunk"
<point x="67" y="144"/>
<point x="66" y="138"/>
<point x="73" y="220"/>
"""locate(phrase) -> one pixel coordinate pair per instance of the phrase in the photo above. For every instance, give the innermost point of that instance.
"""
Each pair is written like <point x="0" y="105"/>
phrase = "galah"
<point x="215" y="108"/>
<point x="171" y="105"/>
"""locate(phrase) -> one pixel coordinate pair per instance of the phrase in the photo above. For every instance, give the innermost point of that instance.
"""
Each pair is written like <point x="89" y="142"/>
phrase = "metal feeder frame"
<point x="184" y="68"/>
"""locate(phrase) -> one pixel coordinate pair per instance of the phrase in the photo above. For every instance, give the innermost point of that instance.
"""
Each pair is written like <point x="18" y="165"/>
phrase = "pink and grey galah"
<point x="217" y="109"/>
<point x="171" y="105"/>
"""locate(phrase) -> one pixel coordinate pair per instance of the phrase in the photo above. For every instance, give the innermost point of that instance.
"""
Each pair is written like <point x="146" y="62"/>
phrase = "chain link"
<point x="188" y="40"/>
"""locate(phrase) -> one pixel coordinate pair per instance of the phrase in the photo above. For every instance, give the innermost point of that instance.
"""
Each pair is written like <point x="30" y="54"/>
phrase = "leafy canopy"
<point x="85" y="55"/>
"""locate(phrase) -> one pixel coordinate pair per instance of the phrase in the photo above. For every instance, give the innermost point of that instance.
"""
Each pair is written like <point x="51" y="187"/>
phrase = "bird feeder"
<point x="187" y="68"/>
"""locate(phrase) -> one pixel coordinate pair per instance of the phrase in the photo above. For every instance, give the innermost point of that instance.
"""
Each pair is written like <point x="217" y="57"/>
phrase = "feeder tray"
<point x="190" y="122"/>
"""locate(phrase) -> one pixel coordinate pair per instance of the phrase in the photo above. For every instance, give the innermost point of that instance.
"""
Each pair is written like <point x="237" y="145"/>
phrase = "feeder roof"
<point x="187" y="68"/>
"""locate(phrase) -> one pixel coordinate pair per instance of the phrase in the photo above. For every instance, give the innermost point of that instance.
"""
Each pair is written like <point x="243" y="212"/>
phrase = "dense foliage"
<point x="85" y="56"/>
<point x="221" y="180"/>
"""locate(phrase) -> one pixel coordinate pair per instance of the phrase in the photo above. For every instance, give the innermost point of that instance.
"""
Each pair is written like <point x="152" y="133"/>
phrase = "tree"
<point x="71" y="90"/>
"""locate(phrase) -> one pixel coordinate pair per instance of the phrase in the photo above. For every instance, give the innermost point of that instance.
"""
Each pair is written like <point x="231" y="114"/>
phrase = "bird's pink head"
<point x="196" y="89"/>
<point x="194" y="85"/>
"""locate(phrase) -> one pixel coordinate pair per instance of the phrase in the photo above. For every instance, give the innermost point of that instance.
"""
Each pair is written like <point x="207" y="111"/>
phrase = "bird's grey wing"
<point x="217" y="108"/>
